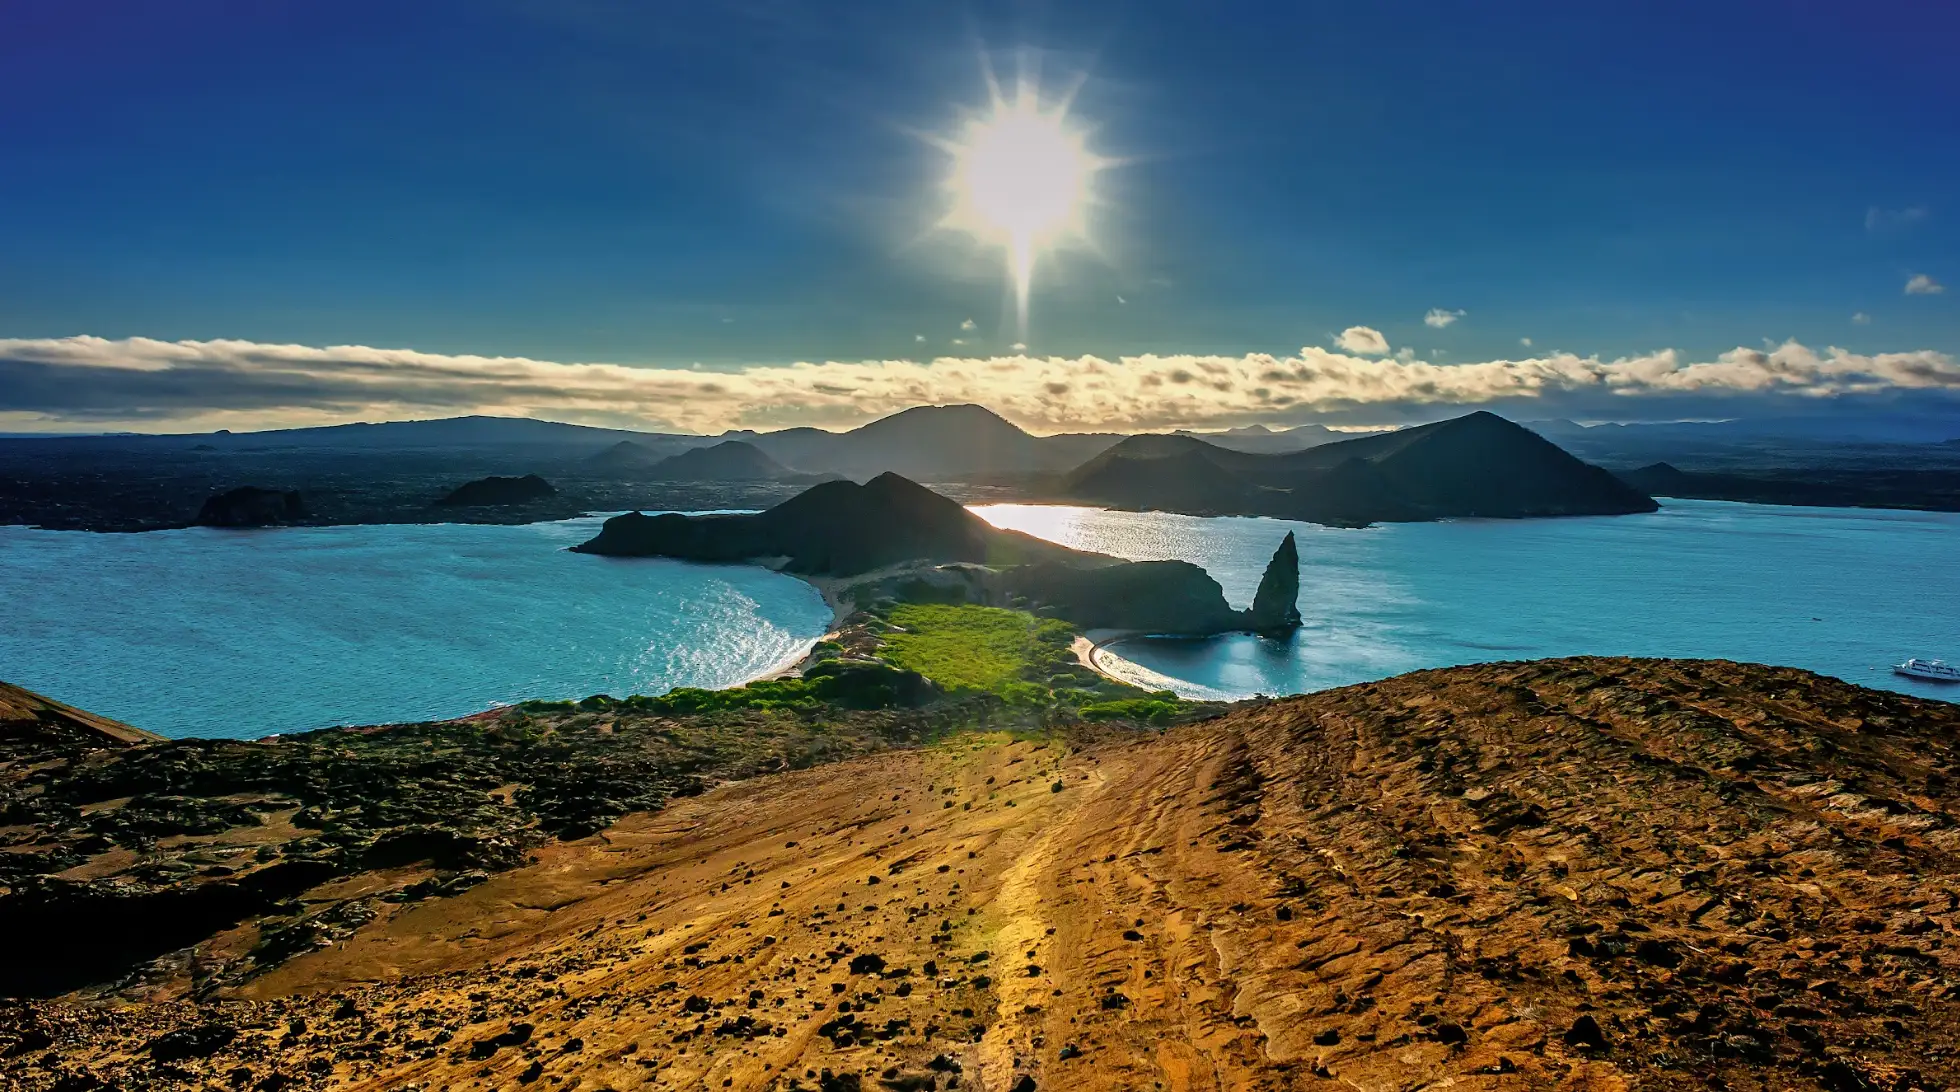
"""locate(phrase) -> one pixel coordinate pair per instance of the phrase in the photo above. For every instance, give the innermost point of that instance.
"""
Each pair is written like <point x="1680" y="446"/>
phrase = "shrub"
<point x="1153" y="710"/>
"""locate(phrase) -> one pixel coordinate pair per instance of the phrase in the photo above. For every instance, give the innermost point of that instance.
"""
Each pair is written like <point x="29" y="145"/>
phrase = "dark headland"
<point x="893" y="536"/>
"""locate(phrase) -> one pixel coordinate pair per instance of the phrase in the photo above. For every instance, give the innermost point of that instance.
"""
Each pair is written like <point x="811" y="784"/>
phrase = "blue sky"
<point x="747" y="184"/>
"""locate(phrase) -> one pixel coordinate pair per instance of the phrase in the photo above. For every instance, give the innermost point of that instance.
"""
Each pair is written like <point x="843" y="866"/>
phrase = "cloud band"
<point x="93" y="383"/>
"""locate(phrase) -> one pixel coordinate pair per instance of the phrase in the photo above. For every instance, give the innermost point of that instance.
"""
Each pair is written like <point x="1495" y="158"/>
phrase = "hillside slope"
<point x="730" y="460"/>
<point x="928" y="443"/>
<point x="1475" y="465"/>
<point x="837" y="527"/>
<point x="27" y="717"/>
<point x="1584" y="873"/>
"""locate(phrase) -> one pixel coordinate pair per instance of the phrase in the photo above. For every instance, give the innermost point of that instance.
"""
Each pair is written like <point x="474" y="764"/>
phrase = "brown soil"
<point x="1579" y="873"/>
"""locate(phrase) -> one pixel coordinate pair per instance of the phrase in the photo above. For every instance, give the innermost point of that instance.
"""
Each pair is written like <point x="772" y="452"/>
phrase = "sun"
<point x="1022" y="179"/>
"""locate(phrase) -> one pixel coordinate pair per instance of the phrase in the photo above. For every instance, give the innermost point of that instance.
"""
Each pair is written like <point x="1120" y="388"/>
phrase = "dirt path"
<point x="1589" y="874"/>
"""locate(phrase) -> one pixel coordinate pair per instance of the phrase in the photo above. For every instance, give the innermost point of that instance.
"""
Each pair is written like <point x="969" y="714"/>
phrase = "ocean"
<point x="203" y="632"/>
<point x="1846" y="592"/>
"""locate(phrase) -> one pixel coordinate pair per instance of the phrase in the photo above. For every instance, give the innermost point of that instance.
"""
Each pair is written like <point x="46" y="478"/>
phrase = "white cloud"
<point x="140" y="383"/>
<point x="969" y="325"/>
<point x="1861" y="319"/>
<point x="1018" y="347"/>
<point x="1405" y="354"/>
<point x="919" y="338"/>
<point x="1525" y="341"/>
<point x="1878" y="219"/>
<point x="1363" y="339"/>
<point x="1923" y="285"/>
<point x="1439" y="318"/>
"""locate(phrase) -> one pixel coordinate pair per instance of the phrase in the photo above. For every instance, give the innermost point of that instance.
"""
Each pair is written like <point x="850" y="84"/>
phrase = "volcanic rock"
<point x="251" y="506"/>
<point x="487" y="492"/>
<point x="1276" y="606"/>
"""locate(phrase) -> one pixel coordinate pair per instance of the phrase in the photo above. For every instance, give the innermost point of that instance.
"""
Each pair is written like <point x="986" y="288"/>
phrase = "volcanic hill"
<point x="730" y="460"/>
<point x="1476" y="465"/>
<point x="1582" y="873"/>
<point x="895" y="538"/>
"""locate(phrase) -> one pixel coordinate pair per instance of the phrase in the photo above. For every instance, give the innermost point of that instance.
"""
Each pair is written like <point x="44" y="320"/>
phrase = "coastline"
<point x="1089" y="645"/>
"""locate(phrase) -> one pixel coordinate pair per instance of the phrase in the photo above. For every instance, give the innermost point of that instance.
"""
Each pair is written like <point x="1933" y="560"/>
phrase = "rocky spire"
<point x="1276" y="608"/>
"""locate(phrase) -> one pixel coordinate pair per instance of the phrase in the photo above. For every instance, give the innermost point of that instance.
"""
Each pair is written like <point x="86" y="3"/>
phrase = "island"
<point x="892" y="538"/>
<point x="1477" y="465"/>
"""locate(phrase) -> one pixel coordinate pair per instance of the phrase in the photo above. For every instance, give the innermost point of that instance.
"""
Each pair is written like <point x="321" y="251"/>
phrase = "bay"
<point x="202" y="632"/>
<point x="1845" y="592"/>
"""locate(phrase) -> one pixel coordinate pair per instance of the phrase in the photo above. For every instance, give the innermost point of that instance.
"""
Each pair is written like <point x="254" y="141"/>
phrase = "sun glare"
<point x="1021" y="179"/>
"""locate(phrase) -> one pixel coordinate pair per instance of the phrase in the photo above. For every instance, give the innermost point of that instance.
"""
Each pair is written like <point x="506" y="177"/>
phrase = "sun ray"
<point x="1022" y="178"/>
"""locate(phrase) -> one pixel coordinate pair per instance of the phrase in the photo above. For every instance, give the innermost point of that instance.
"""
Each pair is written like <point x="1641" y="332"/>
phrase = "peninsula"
<point x="893" y="538"/>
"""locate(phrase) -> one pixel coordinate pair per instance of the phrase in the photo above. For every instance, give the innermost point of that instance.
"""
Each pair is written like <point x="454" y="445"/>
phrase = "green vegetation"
<point x="909" y="655"/>
<point x="829" y="682"/>
<point x="1159" y="708"/>
<point x="978" y="648"/>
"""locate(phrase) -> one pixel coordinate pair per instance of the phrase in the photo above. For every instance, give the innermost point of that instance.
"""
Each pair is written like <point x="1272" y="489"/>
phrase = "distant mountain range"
<point x="1845" y="428"/>
<point x="1259" y="439"/>
<point x="727" y="461"/>
<point x="447" y="434"/>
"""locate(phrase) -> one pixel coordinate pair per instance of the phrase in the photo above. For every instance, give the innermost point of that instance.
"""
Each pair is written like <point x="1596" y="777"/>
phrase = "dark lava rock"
<point x="251" y="506"/>
<point x="518" y="1035"/>
<point x="1585" y="1033"/>
<point x="867" y="963"/>
<point x="1276" y="606"/>
<point x="1658" y="953"/>
<point x="484" y="492"/>
<point x="194" y="1042"/>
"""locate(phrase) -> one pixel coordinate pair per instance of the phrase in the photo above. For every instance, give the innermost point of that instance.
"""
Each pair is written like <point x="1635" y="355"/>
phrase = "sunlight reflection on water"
<point x="1846" y="592"/>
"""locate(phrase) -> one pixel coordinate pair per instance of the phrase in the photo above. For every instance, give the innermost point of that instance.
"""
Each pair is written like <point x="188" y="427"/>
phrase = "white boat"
<point x="1934" y="670"/>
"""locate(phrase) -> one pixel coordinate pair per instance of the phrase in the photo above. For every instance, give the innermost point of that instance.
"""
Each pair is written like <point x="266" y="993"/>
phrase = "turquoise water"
<point x="1845" y="592"/>
<point x="225" y="633"/>
<point x="244" y="633"/>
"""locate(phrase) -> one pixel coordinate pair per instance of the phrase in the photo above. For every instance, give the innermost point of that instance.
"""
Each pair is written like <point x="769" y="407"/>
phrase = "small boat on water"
<point x="1934" y="670"/>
